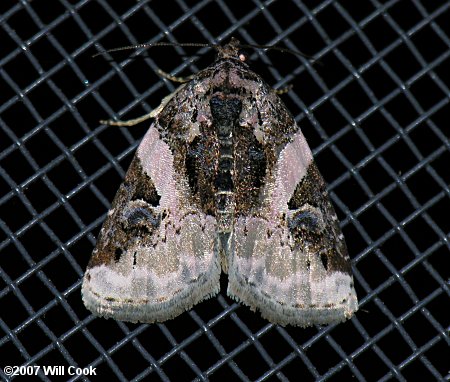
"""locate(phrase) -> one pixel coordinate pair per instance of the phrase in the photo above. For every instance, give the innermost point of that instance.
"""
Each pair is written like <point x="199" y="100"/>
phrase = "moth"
<point x="222" y="181"/>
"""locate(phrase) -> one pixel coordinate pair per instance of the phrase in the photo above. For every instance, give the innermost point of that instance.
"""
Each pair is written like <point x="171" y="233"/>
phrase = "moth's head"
<point x="232" y="50"/>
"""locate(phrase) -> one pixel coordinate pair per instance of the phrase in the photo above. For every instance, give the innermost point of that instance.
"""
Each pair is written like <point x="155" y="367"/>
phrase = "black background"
<point x="374" y="109"/>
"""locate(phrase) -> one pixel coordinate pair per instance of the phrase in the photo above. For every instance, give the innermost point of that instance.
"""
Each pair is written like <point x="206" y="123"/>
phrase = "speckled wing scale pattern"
<point x="222" y="181"/>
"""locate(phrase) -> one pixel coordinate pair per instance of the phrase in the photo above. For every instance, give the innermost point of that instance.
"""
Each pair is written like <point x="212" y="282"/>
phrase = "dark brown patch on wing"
<point x="250" y="169"/>
<point x="133" y="219"/>
<point x="201" y="165"/>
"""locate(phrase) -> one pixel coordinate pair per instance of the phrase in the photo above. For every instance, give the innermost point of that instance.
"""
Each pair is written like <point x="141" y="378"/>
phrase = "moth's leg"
<point x="130" y="122"/>
<point x="152" y="114"/>
<point x="283" y="90"/>
<point x="173" y="78"/>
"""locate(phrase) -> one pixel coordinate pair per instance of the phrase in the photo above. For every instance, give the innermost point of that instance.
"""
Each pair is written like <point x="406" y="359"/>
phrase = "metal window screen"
<point x="374" y="109"/>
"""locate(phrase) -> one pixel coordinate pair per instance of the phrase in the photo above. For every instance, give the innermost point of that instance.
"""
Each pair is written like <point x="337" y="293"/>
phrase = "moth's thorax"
<point x="228" y="74"/>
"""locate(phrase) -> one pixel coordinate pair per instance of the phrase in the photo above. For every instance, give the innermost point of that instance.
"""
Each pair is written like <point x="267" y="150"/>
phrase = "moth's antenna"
<point x="203" y="45"/>
<point x="279" y="48"/>
<point x="150" y="45"/>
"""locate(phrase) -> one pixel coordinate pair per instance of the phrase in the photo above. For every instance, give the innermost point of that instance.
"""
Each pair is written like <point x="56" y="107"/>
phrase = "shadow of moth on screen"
<point x="222" y="181"/>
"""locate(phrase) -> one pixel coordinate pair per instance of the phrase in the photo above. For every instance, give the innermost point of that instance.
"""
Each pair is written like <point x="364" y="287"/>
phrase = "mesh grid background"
<point x="375" y="112"/>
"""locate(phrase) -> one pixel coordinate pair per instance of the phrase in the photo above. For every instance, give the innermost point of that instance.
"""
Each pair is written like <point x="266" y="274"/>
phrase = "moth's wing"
<point x="290" y="261"/>
<point x="155" y="255"/>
